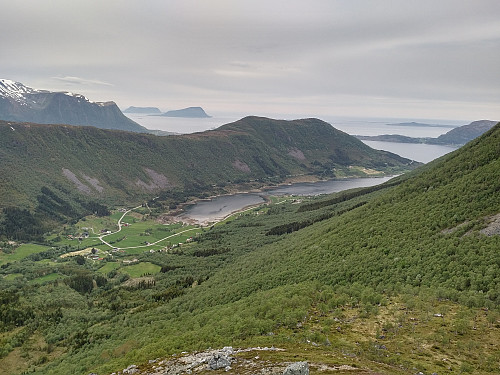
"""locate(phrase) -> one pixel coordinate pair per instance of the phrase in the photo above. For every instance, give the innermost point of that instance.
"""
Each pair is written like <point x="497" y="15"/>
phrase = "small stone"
<point x="228" y="349"/>
<point x="132" y="369"/>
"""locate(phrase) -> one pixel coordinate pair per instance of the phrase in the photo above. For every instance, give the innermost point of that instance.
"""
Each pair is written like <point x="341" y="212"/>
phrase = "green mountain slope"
<point x="403" y="278"/>
<point x="57" y="163"/>
<point x="423" y="232"/>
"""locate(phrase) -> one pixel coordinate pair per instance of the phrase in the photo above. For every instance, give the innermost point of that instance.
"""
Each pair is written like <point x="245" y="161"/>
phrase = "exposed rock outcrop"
<point x="297" y="368"/>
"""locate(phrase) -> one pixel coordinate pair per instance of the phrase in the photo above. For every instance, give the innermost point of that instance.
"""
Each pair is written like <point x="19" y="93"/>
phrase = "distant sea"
<point x="353" y="126"/>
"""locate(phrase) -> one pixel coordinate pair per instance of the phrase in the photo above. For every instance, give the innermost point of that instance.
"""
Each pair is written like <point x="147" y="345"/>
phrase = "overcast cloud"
<point x="413" y="59"/>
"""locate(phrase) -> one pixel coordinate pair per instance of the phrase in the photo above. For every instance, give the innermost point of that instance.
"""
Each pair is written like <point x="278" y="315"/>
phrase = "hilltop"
<point x="24" y="104"/>
<point x="143" y="110"/>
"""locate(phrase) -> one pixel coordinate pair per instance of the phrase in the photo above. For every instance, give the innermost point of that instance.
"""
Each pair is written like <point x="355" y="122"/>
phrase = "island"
<point x="143" y="110"/>
<point x="190" y="112"/>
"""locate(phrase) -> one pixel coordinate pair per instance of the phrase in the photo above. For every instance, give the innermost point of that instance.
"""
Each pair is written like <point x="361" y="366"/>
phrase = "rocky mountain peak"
<point x="24" y="104"/>
<point x="14" y="90"/>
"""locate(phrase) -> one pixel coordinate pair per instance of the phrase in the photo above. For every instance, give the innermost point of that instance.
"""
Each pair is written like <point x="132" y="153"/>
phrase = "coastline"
<point x="179" y="214"/>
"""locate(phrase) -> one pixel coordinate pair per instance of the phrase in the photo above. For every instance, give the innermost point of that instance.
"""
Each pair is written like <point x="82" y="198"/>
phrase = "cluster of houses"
<point x="80" y="237"/>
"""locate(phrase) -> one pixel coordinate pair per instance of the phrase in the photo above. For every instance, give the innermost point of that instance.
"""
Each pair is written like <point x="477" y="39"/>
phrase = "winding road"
<point x="101" y="238"/>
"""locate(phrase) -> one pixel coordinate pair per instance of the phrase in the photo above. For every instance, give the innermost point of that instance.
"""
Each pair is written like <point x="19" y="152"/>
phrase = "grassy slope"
<point x="397" y="237"/>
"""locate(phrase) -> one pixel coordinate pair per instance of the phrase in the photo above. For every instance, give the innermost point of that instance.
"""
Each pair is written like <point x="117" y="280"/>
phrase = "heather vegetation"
<point x="394" y="279"/>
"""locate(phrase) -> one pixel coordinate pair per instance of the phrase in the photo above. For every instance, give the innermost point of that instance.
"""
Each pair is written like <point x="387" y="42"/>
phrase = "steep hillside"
<point x="24" y="104"/>
<point x="437" y="228"/>
<point x="313" y="137"/>
<point x="464" y="134"/>
<point x="396" y="279"/>
<point x="39" y="161"/>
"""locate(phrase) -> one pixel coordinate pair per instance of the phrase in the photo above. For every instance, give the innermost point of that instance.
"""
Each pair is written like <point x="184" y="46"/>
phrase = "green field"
<point x="108" y="267"/>
<point x="142" y="233"/>
<point x="45" y="278"/>
<point x="135" y="237"/>
<point x="140" y="269"/>
<point x="13" y="276"/>
<point x="22" y="252"/>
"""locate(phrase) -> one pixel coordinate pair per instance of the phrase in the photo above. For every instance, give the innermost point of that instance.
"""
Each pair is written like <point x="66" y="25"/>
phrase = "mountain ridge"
<point x="74" y="163"/>
<point x="21" y="103"/>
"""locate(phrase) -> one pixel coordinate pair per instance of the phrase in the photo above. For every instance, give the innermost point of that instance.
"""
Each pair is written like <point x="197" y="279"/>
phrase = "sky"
<point x="423" y="59"/>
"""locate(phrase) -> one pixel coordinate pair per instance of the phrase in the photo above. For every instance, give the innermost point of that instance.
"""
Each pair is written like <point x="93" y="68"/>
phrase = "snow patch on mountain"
<point x="14" y="90"/>
<point x="19" y="92"/>
<point x="21" y="103"/>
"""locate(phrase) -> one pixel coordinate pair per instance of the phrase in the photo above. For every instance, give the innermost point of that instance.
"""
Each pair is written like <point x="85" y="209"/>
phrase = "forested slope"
<point x="388" y="280"/>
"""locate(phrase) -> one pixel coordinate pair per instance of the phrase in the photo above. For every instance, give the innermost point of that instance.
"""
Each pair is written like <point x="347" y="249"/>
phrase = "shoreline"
<point x="177" y="214"/>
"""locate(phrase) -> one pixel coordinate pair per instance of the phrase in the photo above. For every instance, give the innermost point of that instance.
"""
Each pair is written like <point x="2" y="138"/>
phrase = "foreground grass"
<point x="403" y="334"/>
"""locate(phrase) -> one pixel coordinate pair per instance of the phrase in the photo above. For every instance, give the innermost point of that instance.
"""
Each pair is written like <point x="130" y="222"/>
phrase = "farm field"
<point x="21" y="252"/>
<point x="141" y="269"/>
<point x="138" y="234"/>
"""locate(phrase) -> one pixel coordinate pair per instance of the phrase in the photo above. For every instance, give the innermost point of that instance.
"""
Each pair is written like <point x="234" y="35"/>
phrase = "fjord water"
<point x="218" y="208"/>
<point x="415" y="151"/>
<point x="180" y="125"/>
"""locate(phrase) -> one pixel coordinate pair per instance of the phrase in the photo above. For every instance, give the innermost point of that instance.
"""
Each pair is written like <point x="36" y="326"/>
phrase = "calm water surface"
<point x="218" y="208"/>
<point x="414" y="151"/>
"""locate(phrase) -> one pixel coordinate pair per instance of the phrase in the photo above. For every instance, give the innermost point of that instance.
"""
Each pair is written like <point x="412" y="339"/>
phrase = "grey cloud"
<point x="216" y="52"/>
<point x="81" y="81"/>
